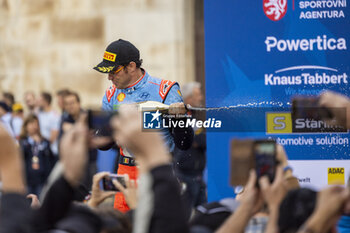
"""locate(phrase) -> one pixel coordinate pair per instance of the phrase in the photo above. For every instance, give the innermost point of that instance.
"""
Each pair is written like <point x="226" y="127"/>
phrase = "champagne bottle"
<point x="155" y="105"/>
<point x="152" y="106"/>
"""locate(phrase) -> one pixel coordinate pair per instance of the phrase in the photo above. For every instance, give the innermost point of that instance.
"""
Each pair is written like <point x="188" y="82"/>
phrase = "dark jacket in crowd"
<point x="56" y="212"/>
<point x="160" y="208"/>
<point x="38" y="160"/>
<point x="67" y="118"/>
<point x="91" y="167"/>
<point x="192" y="161"/>
<point x="189" y="166"/>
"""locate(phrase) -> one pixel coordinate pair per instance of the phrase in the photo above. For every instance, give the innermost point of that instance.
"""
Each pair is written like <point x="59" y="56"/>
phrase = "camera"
<point x="108" y="184"/>
<point x="250" y="154"/>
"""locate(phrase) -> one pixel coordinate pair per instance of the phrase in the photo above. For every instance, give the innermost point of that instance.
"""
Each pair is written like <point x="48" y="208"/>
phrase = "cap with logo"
<point x="17" y="107"/>
<point x="117" y="53"/>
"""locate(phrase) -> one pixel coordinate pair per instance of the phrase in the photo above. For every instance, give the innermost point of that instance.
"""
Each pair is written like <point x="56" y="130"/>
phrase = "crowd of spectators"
<point x="160" y="200"/>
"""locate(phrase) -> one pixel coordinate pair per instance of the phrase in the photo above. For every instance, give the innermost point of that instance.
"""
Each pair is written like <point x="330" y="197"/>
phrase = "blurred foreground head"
<point x="192" y="94"/>
<point x="295" y="209"/>
<point x="72" y="103"/>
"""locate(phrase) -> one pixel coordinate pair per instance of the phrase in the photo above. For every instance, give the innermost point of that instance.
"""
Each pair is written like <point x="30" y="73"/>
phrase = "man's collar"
<point x="139" y="83"/>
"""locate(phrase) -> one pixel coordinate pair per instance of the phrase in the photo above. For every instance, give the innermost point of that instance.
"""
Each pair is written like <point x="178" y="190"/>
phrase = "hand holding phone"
<point x="265" y="158"/>
<point x="309" y="108"/>
<point x="108" y="184"/>
<point x="252" y="154"/>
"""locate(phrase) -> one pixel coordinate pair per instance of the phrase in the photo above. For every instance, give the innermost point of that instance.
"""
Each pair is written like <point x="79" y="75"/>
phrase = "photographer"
<point x="259" y="207"/>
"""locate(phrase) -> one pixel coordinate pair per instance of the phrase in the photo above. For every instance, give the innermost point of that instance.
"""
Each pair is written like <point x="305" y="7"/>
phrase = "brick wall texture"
<point x="46" y="45"/>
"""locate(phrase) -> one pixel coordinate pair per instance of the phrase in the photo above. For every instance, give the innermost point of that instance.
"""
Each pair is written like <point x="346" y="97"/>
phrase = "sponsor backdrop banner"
<point x="260" y="55"/>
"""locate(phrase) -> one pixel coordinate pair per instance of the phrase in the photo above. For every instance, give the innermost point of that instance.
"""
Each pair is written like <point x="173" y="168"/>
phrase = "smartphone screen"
<point x="100" y="121"/>
<point x="265" y="158"/>
<point x="108" y="184"/>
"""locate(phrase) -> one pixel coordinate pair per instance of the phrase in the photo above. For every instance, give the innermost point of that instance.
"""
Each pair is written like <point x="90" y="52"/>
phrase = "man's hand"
<point x="177" y="109"/>
<point x="329" y="207"/>
<point x="130" y="192"/>
<point x="273" y="195"/>
<point x="35" y="201"/>
<point x="8" y="148"/>
<point x="281" y="155"/>
<point x="74" y="151"/>
<point x="275" y="192"/>
<point x="250" y="196"/>
<point x="250" y="204"/>
<point x="148" y="147"/>
<point x="10" y="164"/>
<point x="331" y="201"/>
<point x="282" y="158"/>
<point x="336" y="102"/>
<point x="98" y="195"/>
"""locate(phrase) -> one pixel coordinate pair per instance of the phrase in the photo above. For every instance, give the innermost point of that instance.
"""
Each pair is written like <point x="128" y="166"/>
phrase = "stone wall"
<point x="46" y="45"/>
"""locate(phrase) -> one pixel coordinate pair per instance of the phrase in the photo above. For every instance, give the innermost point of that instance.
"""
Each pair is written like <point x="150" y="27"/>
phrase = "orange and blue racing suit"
<point x="147" y="88"/>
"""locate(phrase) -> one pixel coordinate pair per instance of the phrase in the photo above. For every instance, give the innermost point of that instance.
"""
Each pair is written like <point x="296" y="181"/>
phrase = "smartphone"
<point x="250" y="154"/>
<point x="108" y="184"/>
<point x="309" y="108"/>
<point x="265" y="158"/>
<point x="100" y="121"/>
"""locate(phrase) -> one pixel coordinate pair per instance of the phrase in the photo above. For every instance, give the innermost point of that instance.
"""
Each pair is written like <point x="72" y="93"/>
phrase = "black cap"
<point x="211" y="215"/>
<point x="119" y="52"/>
<point x="296" y="208"/>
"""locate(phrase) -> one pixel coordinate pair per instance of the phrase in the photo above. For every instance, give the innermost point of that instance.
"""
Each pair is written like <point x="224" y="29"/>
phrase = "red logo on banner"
<point x="275" y="9"/>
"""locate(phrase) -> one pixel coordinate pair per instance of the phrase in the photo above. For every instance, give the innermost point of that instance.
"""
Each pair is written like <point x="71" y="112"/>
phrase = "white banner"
<point x="317" y="174"/>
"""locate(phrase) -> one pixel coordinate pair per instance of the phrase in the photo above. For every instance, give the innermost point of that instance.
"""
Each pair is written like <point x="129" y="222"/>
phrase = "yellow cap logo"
<point x="105" y="69"/>
<point x="109" y="56"/>
<point x="121" y="97"/>
<point x="279" y="122"/>
<point x="336" y="175"/>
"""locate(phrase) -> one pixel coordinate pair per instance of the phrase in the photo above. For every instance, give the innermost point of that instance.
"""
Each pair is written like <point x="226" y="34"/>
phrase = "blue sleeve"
<point x="174" y="95"/>
<point x="106" y="106"/>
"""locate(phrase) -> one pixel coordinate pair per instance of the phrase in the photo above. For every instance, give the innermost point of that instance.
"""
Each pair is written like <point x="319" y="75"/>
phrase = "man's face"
<point x="29" y="99"/>
<point x="71" y="105"/>
<point x="120" y="78"/>
<point x="42" y="102"/>
<point x="60" y="102"/>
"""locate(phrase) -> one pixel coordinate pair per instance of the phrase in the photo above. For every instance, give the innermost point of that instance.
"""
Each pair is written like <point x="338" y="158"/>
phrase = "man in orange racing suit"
<point x="132" y="84"/>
